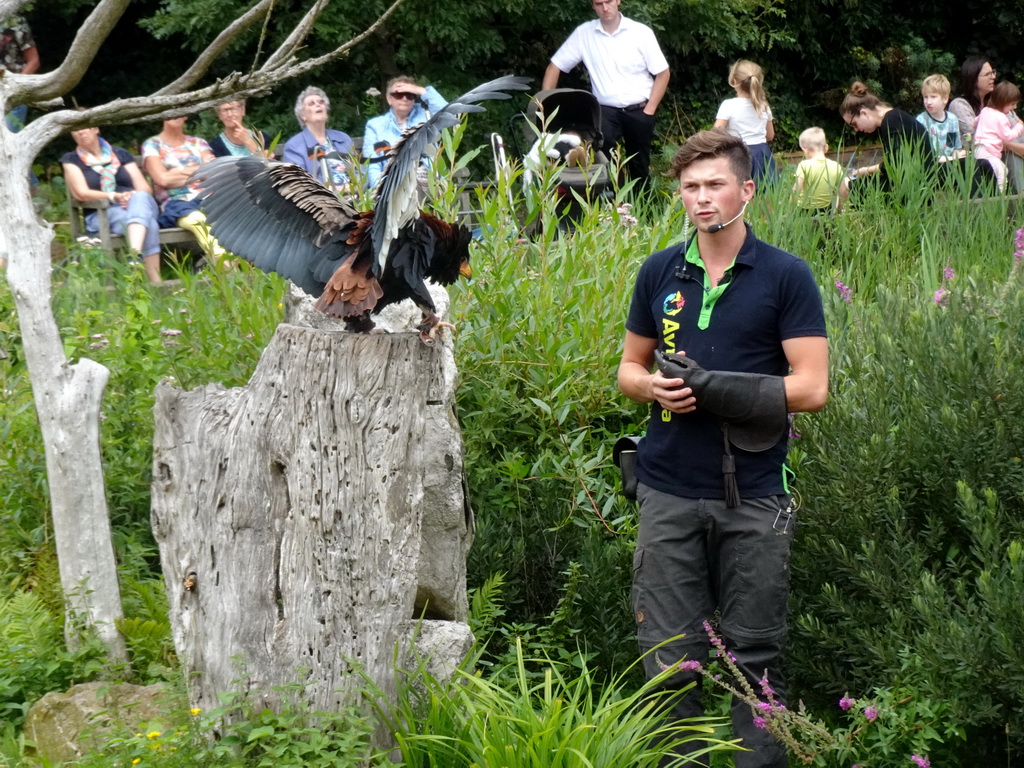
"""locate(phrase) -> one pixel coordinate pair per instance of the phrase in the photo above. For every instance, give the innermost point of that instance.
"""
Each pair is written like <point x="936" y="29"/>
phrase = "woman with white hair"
<point x="323" y="152"/>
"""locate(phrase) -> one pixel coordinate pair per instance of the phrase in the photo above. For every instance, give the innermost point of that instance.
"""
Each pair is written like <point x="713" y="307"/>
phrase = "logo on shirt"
<point x="674" y="303"/>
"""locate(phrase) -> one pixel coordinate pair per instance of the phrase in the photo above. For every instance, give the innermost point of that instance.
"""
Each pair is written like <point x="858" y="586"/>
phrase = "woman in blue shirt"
<point x="322" y="151"/>
<point x="410" y="104"/>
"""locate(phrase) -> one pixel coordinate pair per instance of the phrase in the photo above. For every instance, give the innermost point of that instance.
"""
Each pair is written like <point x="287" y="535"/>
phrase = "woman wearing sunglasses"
<point x="410" y="104"/>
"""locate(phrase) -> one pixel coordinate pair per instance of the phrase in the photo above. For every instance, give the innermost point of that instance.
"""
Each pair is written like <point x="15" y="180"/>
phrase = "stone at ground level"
<point x="437" y="647"/>
<point x="66" y="725"/>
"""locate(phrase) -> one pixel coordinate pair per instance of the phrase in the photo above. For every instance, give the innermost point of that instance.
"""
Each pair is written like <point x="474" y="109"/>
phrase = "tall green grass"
<point x="557" y="716"/>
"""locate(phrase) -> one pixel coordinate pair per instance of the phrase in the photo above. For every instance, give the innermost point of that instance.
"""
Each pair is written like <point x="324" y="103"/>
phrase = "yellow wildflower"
<point x="153" y="735"/>
<point x="194" y="711"/>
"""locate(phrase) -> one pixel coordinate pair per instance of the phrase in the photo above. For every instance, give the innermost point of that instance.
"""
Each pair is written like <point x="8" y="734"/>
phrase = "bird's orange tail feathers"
<point x="349" y="293"/>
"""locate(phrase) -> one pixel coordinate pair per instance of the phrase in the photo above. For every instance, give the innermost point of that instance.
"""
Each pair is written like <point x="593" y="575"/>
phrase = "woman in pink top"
<point x="997" y="126"/>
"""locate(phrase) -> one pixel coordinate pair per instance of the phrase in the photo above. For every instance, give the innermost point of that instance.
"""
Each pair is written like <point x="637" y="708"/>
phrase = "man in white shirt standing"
<point x="628" y="75"/>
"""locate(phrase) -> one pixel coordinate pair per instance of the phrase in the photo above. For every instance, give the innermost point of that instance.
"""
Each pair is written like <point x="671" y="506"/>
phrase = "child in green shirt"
<point x="821" y="185"/>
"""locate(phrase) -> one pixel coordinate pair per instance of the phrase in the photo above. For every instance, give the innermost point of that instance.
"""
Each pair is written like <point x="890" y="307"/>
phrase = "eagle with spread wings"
<point x="276" y="216"/>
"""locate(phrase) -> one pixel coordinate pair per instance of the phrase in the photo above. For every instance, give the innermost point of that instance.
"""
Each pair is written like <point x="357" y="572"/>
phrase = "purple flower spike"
<point x="920" y="762"/>
<point x="760" y="722"/>
<point x="870" y="714"/>
<point x="846" y="703"/>
<point x="689" y="665"/>
<point x="942" y="297"/>
<point x="948" y="273"/>
<point x="715" y="639"/>
<point x="844" y="291"/>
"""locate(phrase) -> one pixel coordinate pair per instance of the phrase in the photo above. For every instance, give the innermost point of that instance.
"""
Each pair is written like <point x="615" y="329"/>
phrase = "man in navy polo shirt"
<point x="731" y="303"/>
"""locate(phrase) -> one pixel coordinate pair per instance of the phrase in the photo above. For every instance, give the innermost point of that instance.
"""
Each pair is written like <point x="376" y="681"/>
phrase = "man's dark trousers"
<point x="636" y="131"/>
<point x="696" y="556"/>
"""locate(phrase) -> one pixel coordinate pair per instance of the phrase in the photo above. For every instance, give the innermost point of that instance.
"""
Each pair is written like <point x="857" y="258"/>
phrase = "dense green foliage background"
<point x="810" y="49"/>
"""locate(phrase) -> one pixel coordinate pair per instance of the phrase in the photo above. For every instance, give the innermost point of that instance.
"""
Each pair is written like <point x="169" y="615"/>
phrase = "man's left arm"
<point x="807" y="383"/>
<point x="657" y="91"/>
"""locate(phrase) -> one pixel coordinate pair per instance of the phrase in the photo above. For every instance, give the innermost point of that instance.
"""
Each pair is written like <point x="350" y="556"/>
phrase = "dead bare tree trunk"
<point x="67" y="399"/>
<point x="289" y="514"/>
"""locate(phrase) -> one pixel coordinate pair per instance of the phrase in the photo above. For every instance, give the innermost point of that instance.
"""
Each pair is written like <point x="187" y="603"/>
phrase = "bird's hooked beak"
<point x="465" y="270"/>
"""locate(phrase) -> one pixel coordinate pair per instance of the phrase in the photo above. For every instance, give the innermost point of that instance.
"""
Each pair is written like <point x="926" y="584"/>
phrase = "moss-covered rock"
<point x="66" y="725"/>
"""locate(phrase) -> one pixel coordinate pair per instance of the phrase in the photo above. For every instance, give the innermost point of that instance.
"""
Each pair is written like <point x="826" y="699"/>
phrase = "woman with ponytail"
<point x="899" y="133"/>
<point x="749" y="118"/>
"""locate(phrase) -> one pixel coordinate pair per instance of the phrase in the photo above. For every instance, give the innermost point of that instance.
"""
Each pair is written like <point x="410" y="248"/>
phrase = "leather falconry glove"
<point x="751" y="408"/>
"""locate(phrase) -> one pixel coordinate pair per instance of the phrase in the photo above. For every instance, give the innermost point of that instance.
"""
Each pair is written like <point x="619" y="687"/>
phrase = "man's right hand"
<point x="638" y="383"/>
<point x="672" y="394"/>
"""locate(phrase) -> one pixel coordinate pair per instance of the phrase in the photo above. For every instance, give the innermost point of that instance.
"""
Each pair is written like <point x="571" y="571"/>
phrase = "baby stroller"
<point x="563" y="127"/>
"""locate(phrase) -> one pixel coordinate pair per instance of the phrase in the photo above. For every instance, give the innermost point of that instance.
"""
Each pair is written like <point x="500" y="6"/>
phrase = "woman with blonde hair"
<point x="749" y="118"/>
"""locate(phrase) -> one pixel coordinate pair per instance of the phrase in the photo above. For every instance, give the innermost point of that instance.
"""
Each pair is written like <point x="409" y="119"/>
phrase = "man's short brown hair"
<point x="707" y="145"/>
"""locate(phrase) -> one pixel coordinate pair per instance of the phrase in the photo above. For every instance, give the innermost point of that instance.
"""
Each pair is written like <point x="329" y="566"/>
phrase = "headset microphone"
<point x="719" y="227"/>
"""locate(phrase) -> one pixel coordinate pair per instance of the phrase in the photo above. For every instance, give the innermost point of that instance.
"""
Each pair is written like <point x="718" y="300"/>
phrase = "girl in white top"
<point x="748" y="117"/>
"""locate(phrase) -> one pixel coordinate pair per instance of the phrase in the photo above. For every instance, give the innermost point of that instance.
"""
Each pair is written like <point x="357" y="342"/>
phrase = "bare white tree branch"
<point x="44" y="129"/>
<point x="168" y="101"/>
<point x="297" y="37"/>
<point x="257" y="13"/>
<point x="344" y="48"/>
<point x="10" y="7"/>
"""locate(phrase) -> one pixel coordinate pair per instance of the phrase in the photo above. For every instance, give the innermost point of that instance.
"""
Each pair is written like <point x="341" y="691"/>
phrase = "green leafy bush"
<point x="911" y="537"/>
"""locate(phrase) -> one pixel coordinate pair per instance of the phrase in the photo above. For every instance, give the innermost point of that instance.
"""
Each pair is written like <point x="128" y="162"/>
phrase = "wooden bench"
<point x="175" y="237"/>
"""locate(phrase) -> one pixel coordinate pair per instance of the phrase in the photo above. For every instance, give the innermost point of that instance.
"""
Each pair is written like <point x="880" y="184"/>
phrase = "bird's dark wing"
<point x="397" y="202"/>
<point x="278" y="217"/>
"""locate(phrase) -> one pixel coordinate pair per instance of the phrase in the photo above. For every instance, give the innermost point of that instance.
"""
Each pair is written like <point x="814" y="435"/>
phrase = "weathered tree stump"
<point x="291" y="514"/>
